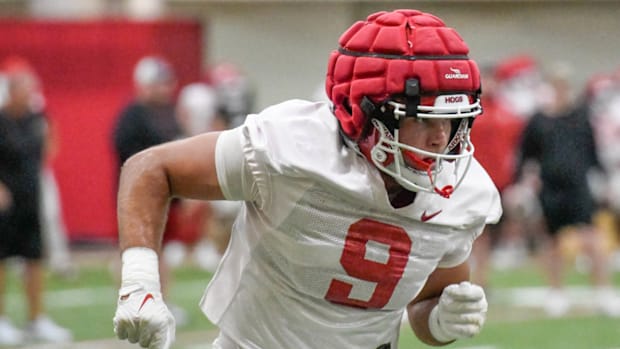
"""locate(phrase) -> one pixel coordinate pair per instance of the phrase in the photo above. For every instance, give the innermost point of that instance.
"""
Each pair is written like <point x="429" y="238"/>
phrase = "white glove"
<point x="460" y="313"/>
<point x="141" y="314"/>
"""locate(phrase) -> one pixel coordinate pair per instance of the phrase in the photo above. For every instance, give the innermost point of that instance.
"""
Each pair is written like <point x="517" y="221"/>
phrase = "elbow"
<point x="145" y="169"/>
<point x="142" y="159"/>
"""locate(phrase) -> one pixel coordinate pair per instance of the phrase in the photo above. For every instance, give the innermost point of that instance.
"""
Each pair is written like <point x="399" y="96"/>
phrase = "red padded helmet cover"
<point x="377" y="56"/>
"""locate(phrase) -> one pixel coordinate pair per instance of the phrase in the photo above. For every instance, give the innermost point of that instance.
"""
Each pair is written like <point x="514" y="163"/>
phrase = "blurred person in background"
<point x="520" y="85"/>
<point x="234" y="97"/>
<point x="350" y="215"/>
<point x="55" y="235"/>
<point x="199" y="111"/>
<point x="603" y="100"/>
<point x="195" y="112"/>
<point x="560" y="141"/>
<point x="23" y="135"/>
<point x="149" y="119"/>
<point x="497" y="138"/>
<point x="234" y="92"/>
<point x="519" y="92"/>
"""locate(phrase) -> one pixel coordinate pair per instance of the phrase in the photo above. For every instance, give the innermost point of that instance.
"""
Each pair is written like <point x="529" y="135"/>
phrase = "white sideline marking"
<point x="180" y="343"/>
<point x="581" y="296"/>
<point x="522" y="297"/>
<point x="88" y="296"/>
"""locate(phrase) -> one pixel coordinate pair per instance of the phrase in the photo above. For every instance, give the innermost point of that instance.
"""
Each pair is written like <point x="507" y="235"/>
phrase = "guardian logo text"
<point x="456" y="74"/>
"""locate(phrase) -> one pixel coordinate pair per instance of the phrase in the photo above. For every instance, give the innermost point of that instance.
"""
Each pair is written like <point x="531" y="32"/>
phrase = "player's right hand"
<point x="143" y="317"/>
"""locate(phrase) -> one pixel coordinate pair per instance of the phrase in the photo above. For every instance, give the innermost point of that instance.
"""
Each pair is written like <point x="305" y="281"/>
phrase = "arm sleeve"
<point x="231" y="166"/>
<point x="461" y="251"/>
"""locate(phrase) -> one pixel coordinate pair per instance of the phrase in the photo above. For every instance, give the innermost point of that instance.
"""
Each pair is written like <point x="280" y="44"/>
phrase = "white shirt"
<point x="318" y="257"/>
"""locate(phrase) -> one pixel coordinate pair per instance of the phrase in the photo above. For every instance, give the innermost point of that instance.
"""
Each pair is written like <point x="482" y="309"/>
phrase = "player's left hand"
<point x="142" y="316"/>
<point x="460" y="313"/>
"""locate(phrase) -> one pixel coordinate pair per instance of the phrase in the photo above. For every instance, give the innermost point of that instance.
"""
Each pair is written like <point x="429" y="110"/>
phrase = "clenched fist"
<point x="141" y="314"/>
<point x="460" y="313"/>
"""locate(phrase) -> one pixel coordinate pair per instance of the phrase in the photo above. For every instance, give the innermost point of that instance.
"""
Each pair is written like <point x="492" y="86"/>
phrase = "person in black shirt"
<point x="149" y="119"/>
<point x="559" y="139"/>
<point x="22" y="141"/>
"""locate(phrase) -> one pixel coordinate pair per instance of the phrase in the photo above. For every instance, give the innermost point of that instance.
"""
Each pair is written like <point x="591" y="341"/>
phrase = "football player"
<point x="351" y="214"/>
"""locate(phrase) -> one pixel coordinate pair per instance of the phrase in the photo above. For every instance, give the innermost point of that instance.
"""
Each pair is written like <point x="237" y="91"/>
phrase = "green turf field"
<point x="86" y="305"/>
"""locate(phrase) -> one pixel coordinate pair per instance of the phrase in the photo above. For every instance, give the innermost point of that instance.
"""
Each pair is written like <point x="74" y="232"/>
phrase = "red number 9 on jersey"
<point x="354" y="262"/>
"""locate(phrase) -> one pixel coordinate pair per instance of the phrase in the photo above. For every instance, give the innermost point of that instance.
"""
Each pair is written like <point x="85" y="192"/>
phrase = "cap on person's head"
<point x="14" y="67"/>
<point x="598" y="84"/>
<point x="18" y="71"/>
<point x="16" y="64"/>
<point x="152" y="69"/>
<point x="515" y="66"/>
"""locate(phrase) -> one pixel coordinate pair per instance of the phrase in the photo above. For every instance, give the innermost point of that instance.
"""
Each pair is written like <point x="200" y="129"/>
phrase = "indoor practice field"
<point x="86" y="304"/>
<point x="333" y="152"/>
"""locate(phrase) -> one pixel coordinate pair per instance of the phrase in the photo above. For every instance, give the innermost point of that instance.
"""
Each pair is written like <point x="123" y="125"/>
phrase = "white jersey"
<point x="318" y="257"/>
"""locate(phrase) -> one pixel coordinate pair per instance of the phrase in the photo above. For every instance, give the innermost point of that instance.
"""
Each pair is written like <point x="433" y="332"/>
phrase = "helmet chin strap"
<point x="428" y="165"/>
<point x="445" y="192"/>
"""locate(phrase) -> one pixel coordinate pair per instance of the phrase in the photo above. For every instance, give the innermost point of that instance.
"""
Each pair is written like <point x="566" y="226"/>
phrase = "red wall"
<point x="86" y="70"/>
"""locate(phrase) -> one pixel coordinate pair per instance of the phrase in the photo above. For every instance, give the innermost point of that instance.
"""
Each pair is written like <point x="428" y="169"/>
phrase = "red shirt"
<point x="496" y="134"/>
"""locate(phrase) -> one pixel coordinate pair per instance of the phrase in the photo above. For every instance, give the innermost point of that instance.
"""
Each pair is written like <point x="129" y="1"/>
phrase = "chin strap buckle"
<point x="446" y="191"/>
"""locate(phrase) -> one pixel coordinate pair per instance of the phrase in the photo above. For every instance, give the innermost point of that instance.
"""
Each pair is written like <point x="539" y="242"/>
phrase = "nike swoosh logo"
<point x="425" y="217"/>
<point x="146" y="298"/>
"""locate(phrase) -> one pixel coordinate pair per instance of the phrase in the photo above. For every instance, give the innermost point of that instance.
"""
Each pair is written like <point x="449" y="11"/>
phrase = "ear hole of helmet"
<point x="347" y="106"/>
<point x="383" y="113"/>
<point x="455" y="123"/>
<point x="458" y="135"/>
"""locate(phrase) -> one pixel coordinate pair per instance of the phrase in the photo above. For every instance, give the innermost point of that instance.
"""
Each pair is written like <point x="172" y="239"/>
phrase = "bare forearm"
<point x="418" y="320"/>
<point x="149" y="179"/>
<point x="419" y="309"/>
<point x="143" y="197"/>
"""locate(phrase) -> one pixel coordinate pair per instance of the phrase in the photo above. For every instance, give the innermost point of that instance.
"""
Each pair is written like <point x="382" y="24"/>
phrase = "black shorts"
<point x="20" y="234"/>
<point x="566" y="208"/>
